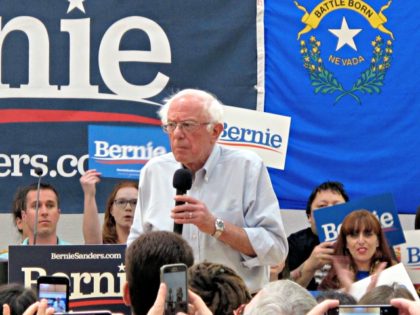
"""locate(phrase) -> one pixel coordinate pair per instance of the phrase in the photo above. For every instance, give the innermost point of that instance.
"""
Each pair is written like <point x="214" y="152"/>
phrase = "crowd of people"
<point x="232" y="231"/>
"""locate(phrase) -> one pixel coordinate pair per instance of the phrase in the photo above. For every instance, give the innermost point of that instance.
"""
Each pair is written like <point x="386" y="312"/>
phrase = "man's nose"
<point x="42" y="209"/>
<point x="178" y="130"/>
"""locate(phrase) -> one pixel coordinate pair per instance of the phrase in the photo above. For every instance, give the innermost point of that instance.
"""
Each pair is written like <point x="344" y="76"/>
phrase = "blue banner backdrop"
<point x="67" y="64"/>
<point x="347" y="72"/>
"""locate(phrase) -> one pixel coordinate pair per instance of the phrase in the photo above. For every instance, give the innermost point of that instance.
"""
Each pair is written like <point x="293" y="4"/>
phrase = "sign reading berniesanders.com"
<point x="120" y="152"/>
<point x="328" y="220"/>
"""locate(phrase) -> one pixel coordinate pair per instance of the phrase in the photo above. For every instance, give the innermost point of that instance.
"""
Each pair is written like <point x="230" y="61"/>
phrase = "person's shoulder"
<point x="62" y="242"/>
<point x="4" y="255"/>
<point x="300" y="235"/>
<point x="160" y="160"/>
<point x="233" y="154"/>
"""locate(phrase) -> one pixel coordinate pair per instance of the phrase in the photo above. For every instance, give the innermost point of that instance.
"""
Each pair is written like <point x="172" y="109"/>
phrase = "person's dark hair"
<point x="143" y="260"/>
<point x="17" y="297"/>
<point x="343" y="297"/>
<point x="354" y="222"/>
<point x="42" y="186"/>
<point x="220" y="287"/>
<point x="336" y="187"/>
<point x="109" y="230"/>
<point x="383" y="294"/>
<point x="17" y="205"/>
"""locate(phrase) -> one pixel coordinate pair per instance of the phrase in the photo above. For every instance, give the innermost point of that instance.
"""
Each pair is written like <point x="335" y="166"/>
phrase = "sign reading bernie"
<point x="68" y="64"/>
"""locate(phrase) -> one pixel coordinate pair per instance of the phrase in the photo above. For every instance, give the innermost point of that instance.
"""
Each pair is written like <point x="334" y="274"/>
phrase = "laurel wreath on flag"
<point x="370" y="81"/>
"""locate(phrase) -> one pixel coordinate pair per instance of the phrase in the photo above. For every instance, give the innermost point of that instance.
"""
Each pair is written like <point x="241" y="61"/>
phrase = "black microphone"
<point x="38" y="172"/>
<point x="182" y="182"/>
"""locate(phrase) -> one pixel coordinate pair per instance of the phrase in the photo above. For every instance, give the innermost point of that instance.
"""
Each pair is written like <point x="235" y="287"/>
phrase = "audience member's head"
<point x="119" y="211"/>
<point x="17" y="297"/>
<point x="282" y="297"/>
<point x="48" y="212"/>
<point x="383" y="294"/>
<point x="362" y="222"/>
<point x="360" y="229"/>
<point x="143" y="260"/>
<point x="17" y="207"/>
<point x="219" y="286"/>
<point x="324" y="195"/>
<point x="343" y="297"/>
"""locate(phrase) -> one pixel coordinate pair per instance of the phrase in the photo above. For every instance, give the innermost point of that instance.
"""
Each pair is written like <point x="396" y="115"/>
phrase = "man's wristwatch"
<point x="220" y="227"/>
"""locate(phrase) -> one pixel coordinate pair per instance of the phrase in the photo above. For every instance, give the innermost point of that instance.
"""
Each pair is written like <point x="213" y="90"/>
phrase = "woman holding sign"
<point x="361" y="250"/>
<point x="119" y="211"/>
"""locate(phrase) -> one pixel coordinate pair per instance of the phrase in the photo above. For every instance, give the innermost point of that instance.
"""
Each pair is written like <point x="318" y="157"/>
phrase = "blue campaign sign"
<point x="67" y="64"/>
<point x="96" y="272"/>
<point x="120" y="152"/>
<point x="328" y="220"/>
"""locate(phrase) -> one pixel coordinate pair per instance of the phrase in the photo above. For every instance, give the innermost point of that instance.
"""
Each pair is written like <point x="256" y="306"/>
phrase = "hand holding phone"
<point x="175" y="278"/>
<point x="55" y="290"/>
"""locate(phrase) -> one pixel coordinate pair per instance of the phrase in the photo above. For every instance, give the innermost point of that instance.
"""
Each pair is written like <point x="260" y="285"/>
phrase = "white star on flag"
<point x="73" y="4"/>
<point x="345" y="35"/>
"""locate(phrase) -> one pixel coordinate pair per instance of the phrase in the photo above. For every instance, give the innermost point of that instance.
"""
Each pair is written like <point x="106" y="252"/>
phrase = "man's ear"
<point x="217" y="130"/>
<point x="126" y="294"/>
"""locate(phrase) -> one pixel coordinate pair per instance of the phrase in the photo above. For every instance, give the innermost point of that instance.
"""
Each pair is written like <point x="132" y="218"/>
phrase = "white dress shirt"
<point x="235" y="186"/>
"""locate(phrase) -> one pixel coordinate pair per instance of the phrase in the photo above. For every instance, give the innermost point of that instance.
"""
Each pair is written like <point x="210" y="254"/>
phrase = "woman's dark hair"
<point x="355" y="222"/>
<point x="17" y="297"/>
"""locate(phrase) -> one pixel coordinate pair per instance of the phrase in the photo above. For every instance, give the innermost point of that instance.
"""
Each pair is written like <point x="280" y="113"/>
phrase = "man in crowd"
<point x="231" y="214"/>
<point x="143" y="260"/>
<point x="308" y="258"/>
<point x="48" y="215"/>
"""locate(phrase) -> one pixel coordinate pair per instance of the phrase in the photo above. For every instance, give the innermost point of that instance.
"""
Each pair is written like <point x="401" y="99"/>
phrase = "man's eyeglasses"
<point x="122" y="203"/>
<point x="186" y="126"/>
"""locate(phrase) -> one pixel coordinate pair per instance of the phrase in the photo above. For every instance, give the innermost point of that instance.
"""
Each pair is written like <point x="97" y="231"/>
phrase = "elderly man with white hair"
<point x="231" y="214"/>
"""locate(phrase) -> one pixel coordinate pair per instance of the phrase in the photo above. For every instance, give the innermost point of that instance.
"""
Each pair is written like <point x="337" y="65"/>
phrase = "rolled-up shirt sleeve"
<point x="263" y="221"/>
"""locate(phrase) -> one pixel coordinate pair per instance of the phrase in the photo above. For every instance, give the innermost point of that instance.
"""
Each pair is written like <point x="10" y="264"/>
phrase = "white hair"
<point x="282" y="297"/>
<point x="211" y="105"/>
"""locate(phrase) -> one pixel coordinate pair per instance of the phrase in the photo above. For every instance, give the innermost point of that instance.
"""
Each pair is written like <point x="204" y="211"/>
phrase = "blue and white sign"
<point x="68" y="64"/>
<point x="120" y="152"/>
<point x="264" y="133"/>
<point x="328" y="220"/>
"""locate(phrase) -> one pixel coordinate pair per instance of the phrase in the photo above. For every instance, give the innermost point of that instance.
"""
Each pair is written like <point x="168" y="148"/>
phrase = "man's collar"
<point x="26" y="241"/>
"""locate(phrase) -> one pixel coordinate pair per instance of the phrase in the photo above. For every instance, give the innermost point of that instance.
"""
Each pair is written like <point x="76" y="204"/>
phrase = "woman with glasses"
<point x="119" y="211"/>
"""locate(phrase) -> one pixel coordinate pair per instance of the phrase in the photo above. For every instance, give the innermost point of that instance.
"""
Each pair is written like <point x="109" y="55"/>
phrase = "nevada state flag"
<point x="347" y="72"/>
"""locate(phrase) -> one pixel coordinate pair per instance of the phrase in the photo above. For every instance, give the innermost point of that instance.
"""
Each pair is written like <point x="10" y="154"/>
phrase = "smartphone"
<point x="55" y="290"/>
<point x="364" y="309"/>
<point x="175" y="277"/>
<point x="93" y="312"/>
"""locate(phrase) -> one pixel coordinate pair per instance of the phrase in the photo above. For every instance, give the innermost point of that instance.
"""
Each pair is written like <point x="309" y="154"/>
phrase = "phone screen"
<point x="55" y="290"/>
<point x="365" y="310"/>
<point x="175" y="277"/>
